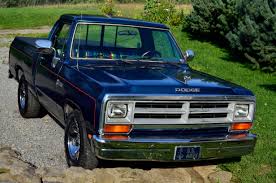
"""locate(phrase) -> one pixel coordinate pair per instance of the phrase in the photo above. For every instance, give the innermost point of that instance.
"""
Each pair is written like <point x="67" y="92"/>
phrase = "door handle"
<point x="55" y="61"/>
<point x="42" y="58"/>
<point x="59" y="83"/>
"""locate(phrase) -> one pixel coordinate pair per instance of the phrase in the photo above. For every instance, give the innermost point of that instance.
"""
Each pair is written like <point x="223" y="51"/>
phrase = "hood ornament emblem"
<point x="187" y="78"/>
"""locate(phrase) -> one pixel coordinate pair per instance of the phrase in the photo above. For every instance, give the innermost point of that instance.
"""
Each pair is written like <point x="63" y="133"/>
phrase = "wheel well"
<point x="19" y="72"/>
<point x="70" y="106"/>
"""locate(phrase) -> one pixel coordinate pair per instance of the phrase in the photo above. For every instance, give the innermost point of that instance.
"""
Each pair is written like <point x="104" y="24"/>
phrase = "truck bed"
<point x="23" y="52"/>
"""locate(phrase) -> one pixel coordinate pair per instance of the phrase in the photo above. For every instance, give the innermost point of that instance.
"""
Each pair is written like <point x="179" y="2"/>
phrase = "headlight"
<point x="244" y="112"/>
<point x="241" y="110"/>
<point x="119" y="112"/>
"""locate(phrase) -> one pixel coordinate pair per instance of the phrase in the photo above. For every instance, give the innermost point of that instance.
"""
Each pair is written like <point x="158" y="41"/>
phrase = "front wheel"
<point x="79" y="151"/>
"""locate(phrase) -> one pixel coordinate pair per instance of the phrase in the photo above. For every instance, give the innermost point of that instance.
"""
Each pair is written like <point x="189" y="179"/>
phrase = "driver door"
<point x="48" y="65"/>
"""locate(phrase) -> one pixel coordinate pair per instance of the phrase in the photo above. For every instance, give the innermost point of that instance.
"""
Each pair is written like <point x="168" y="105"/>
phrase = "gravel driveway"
<point x="40" y="141"/>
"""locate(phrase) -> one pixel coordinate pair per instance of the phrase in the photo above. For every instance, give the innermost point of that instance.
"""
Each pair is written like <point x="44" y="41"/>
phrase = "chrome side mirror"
<point x="43" y="44"/>
<point x="46" y="46"/>
<point x="189" y="55"/>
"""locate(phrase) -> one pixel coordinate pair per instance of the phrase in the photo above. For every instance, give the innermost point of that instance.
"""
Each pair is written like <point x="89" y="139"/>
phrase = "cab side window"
<point x="61" y="39"/>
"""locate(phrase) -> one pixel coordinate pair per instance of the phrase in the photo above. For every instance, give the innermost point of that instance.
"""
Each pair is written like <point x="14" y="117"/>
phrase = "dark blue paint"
<point x="86" y="85"/>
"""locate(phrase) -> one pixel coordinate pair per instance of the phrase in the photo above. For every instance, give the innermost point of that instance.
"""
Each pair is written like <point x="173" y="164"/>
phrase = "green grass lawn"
<point x="260" y="165"/>
<point x="256" y="167"/>
<point x="31" y="17"/>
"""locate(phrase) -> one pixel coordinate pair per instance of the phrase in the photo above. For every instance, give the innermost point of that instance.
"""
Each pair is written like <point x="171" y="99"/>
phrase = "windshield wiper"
<point x="122" y="60"/>
<point x="174" y="63"/>
<point x="157" y="60"/>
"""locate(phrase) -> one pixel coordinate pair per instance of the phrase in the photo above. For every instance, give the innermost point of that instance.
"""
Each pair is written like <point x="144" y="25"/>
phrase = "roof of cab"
<point x="111" y="20"/>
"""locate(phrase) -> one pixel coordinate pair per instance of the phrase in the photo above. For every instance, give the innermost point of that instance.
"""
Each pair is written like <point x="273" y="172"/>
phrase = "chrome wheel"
<point x="73" y="140"/>
<point x="22" y="96"/>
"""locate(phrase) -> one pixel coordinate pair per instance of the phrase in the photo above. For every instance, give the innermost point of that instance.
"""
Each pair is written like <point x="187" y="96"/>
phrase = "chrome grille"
<point x="208" y="105"/>
<point x="159" y="116"/>
<point x="159" y="105"/>
<point x="182" y="112"/>
<point x="208" y="115"/>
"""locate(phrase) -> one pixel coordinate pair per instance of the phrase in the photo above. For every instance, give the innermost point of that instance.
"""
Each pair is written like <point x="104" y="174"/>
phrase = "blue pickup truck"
<point x="123" y="90"/>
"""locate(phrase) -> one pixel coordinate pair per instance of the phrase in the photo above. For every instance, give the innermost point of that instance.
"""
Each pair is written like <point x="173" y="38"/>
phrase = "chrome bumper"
<point x="144" y="149"/>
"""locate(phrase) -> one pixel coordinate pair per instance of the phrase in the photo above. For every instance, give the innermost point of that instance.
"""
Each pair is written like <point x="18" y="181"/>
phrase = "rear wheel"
<point x="79" y="151"/>
<point x="28" y="105"/>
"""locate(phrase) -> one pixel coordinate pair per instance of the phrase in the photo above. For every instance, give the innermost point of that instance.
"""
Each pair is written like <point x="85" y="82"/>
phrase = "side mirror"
<point x="44" y="45"/>
<point x="189" y="55"/>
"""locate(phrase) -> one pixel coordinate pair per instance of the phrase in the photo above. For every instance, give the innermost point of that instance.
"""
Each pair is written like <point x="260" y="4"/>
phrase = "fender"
<point x="69" y="106"/>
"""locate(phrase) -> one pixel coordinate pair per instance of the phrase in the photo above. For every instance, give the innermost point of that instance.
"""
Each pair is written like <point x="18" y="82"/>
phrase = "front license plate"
<point x="186" y="153"/>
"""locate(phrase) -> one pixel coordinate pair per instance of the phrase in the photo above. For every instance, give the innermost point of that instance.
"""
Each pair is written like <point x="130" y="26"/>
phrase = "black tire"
<point x="85" y="156"/>
<point x="30" y="108"/>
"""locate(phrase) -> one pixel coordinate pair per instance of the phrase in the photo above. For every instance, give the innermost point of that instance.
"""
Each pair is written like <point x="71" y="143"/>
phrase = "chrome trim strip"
<point x="181" y="126"/>
<point x="123" y="25"/>
<point x="194" y="97"/>
<point x="157" y="121"/>
<point x="158" y="111"/>
<point x="132" y="141"/>
<point x="209" y="110"/>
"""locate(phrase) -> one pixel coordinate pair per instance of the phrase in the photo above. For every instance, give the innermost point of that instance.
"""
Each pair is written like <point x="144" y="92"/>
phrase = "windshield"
<point x="95" y="41"/>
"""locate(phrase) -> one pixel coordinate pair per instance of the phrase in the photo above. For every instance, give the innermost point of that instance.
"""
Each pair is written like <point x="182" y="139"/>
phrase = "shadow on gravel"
<point x="150" y="165"/>
<point x="58" y="123"/>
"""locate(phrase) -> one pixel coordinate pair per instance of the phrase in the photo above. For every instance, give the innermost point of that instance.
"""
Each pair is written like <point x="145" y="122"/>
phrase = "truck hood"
<point x="158" y="79"/>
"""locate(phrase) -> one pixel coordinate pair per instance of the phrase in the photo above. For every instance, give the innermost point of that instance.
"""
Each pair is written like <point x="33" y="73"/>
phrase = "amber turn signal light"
<point x="241" y="126"/>
<point x="117" y="128"/>
<point x="115" y="137"/>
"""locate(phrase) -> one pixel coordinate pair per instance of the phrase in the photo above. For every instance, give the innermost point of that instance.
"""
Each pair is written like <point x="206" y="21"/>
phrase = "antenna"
<point x="108" y="15"/>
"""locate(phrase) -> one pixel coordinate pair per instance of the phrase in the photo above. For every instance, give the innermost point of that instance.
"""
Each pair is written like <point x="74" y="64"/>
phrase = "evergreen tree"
<point x="210" y="17"/>
<point x="255" y="33"/>
<point x="249" y="27"/>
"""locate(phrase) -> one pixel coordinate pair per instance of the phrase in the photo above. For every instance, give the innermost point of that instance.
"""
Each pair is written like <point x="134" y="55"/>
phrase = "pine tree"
<point x="255" y="34"/>
<point x="249" y="27"/>
<point x="209" y="17"/>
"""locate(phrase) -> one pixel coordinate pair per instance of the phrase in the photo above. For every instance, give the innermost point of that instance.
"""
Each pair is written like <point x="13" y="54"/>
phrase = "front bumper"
<point x="145" y="149"/>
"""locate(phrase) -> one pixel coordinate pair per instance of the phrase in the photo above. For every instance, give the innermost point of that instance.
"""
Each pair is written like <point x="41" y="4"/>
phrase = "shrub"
<point x="248" y="26"/>
<point x="210" y="17"/>
<point x="107" y="8"/>
<point x="158" y="11"/>
<point x="176" y="18"/>
<point x="10" y="3"/>
<point x="162" y="11"/>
